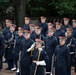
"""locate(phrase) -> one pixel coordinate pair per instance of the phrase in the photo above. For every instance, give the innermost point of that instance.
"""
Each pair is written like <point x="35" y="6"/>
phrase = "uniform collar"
<point x="58" y="29"/>
<point x="50" y="37"/>
<point x="62" y="45"/>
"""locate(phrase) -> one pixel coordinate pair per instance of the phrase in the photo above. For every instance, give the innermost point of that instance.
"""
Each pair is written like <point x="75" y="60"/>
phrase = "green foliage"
<point x="51" y="7"/>
<point x="66" y="7"/>
<point x="2" y="1"/>
<point x="3" y="7"/>
<point x="35" y="7"/>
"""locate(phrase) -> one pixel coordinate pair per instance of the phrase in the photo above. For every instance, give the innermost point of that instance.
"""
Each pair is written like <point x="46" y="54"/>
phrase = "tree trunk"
<point x="21" y="12"/>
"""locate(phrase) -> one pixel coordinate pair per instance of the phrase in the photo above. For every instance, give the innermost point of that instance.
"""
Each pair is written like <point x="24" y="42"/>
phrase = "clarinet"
<point x="8" y="42"/>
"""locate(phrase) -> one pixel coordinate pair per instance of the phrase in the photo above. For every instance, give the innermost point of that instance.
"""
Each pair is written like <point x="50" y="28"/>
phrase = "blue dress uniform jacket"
<point x="5" y="32"/>
<point x="2" y="49"/>
<point x="58" y="33"/>
<point x="50" y="44"/>
<point x="17" y="46"/>
<point x="65" y="27"/>
<point x="11" y="37"/>
<point x="40" y="36"/>
<point x="44" y="27"/>
<point x="25" y="61"/>
<point x="62" y="63"/>
<point x="26" y="27"/>
<point x="10" y="51"/>
<point x="33" y="35"/>
<point x="40" y="69"/>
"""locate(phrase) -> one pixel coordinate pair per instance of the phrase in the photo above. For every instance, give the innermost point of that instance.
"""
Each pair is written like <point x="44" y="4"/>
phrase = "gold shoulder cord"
<point x="32" y="52"/>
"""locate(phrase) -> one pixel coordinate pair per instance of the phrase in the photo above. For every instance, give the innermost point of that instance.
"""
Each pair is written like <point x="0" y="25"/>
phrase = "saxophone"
<point x="9" y="42"/>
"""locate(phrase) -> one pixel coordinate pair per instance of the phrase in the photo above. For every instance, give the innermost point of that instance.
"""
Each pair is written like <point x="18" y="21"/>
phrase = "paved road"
<point x="7" y="72"/>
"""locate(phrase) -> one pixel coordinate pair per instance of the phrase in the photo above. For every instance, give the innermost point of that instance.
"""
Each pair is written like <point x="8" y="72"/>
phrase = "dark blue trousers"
<point x="10" y="63"/>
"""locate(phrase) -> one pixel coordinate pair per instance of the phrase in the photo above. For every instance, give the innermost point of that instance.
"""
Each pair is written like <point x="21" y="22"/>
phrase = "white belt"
<point x="72" y="52"/>
<point x="48" y="72"/>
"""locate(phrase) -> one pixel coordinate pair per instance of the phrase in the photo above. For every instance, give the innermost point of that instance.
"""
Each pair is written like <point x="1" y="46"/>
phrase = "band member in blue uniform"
<point x="66" y="24"/>
<point x="50" y="44"/>
<point x="43" y="25"/>
<point x="70" y="42"/>
<point x="38" y="34"/>
<point x="59" y="31"/>
<point x="17" y="47"/>
<point x="27" y="22"/>
<point x="7" y="28"/>
<point x="10" y="41"/>
<point x="2" y="49"/>
<point x="50" y="25"/>
<point x="5" y="32"/>
<point x="25" y="61"/>
<point x="32" y="29"/>
<point x="39" y="59"/>
<point x="62" y="58"/>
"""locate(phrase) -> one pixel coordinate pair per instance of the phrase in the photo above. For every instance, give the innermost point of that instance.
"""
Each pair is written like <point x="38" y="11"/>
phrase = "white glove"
<point x="40" y="49"/>
<point x="38" y="63"/>
<point x="41" y="63"/>
<point x="32" y="46"/>
<point x="29" y="49"/>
